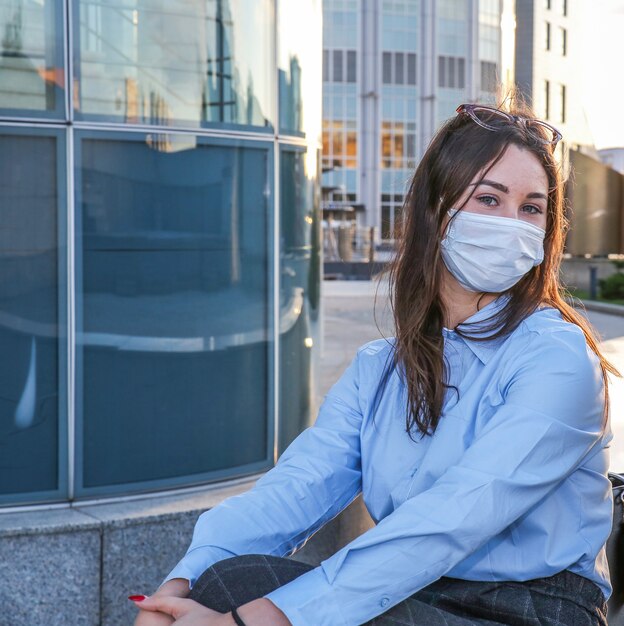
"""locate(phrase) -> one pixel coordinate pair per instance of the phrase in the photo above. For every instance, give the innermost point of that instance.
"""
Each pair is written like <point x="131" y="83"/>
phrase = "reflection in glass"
<point x="300" y="66"/>
<point x="31" y="76"/>
<point x="176" y="61"/>
<point x="174" y="338"/>
<point x="29" y="377"/>
<point x="299" y="294"/>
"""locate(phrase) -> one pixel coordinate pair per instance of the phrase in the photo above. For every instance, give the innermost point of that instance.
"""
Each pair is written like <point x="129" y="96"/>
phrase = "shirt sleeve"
<point x="550" y="418"/>
<point x="315" y="478"/>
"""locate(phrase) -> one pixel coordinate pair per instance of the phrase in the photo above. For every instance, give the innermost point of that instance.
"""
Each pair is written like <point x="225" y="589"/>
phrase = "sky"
<point x="604" y="71"/>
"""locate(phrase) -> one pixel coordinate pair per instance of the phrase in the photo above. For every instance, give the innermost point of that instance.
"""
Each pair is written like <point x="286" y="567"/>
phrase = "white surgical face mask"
<point x="489" y="253"/>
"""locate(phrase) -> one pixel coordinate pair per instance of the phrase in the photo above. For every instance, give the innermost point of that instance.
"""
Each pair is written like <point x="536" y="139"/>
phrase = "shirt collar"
<point x="477" y="322"/>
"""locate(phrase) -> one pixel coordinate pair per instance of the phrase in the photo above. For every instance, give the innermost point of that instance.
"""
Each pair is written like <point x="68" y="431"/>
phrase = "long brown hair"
<point x="458" y="152"/>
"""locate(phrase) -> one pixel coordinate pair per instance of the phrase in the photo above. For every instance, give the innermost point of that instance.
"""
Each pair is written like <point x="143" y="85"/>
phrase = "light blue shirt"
<point x="512" y="485"/>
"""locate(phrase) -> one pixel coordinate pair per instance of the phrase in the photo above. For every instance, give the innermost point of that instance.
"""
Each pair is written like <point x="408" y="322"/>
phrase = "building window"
<point x="398" y="145"/>
<point x="185" y="222"/>
<point x="399" y="68"/>
<point x="562" y="95"/>
<point x="325" y="66"/>
<point x="441" y="71"/>
<point x="563" y="34"/>
<point x="564" y="8"/>
<point x="299" y="217"/>
<point x="351" y="66"/>
<point x="547" y="99"/>
<point x="343" y="67"/>
<point x="548" y="4"/>
<point x="387" y="68"/>
<point x="339" y="144"/>
<point x="338" y="69"/>
<point x="451" y="72"/>
<point x="411" y="68"/>
<point x="32" y="342"/>
<point x="461" y="73"/>
<point x="489" y="79"/>
<point x="31" y="59"/>
<point x="391" y="214"/>
<point x="547" y="41"/>
<point x="144" y="65"/>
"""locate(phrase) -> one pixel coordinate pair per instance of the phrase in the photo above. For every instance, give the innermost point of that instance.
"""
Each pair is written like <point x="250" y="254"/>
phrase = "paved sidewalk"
<point x="349" y="322"/>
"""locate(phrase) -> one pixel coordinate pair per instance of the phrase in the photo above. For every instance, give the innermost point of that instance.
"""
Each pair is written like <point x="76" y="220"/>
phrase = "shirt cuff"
<point x="307" y="600"/>
<point x="195" y="562"/>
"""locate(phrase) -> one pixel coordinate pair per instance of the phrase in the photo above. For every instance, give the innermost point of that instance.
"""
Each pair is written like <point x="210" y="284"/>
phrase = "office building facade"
<point x="160" y="243"/>
<point x="548" y="58"/>
<point x="393" y="71"/>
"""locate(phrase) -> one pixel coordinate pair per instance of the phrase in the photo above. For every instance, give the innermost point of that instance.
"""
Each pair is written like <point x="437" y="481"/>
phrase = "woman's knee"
<point x="240" y="579"/>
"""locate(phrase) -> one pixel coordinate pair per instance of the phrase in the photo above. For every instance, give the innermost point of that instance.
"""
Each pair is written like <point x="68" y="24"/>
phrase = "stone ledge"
<point x="78" y="565"/>
<point x="118" y="514"/>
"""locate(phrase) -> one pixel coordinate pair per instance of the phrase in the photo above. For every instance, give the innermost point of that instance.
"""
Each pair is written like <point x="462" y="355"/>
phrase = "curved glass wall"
<point x="160" y="268"/>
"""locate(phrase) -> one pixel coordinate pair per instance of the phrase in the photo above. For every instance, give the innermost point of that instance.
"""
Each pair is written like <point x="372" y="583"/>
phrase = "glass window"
<point x="452" y="78"/>
<point x="300" y="36"/>
<point x="411" y="68"/>
<point x="387" y="68"/>
<point x="385" y="221"/>
<point x="562" y="95"/>
<point x="564" y="41"/>
<point x="461" y="73"/>
<point x="547" y="41"/>
<point x="442" y="71"/>
<point x="488" y="76"/>
<point x="547" y="99"/>
<point x="174" y="308"/>
<point x="172" y="62"/>
<point x="299" y="291"/>
<point x="337" y="77"/>
<point x="399" y="70"/>
<point x="32" y="292"/>
<point x="351" y="148"/>
<point x="351" y="66"/>
<point x="31" y="58"/>
<point x="338" y="143"/>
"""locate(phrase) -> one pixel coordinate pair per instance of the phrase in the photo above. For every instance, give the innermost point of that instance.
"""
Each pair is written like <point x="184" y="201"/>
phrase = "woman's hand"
<point x="184" y="612"/>
<point x="174" y="588"/>
<point x="260" y="612"/>
<point x="147" y="618"/>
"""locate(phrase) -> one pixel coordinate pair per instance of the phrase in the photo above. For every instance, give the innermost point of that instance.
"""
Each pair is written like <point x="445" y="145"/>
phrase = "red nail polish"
<point x="137" y="598"/>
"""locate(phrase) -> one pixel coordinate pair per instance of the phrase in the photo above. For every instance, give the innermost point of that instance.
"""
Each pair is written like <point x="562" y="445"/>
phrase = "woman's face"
<point x="516" y="187"/>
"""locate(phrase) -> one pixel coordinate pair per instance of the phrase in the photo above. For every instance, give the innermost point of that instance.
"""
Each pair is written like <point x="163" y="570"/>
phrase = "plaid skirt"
<point x="565" y="599"/>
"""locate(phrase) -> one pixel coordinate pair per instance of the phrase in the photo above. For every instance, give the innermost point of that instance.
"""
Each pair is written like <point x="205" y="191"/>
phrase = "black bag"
<point x="615" y="553"/>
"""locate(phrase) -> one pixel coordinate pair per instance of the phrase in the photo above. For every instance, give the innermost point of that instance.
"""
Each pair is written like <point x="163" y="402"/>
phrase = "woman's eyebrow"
<point x="504" y="189"/>
<point x="491" y="183"/>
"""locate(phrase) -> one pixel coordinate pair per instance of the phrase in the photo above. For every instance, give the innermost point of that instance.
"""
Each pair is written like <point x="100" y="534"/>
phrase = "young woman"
<point x="478" y="435"/>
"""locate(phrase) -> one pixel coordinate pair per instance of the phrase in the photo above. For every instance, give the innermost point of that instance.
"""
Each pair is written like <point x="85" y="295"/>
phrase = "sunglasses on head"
<point x="495" y="119"/>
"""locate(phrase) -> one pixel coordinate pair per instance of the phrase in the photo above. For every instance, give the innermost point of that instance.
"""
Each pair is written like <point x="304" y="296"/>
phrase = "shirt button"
<point x="385" y="601"/>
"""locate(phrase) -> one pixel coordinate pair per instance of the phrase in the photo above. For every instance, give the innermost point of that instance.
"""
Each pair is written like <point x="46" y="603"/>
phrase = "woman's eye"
<point x="487" y="200"/>
<point x="533" y="210"/>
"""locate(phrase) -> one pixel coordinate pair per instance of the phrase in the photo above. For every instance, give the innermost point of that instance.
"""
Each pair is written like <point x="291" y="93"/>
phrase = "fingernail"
<point x="137" y="598"/>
